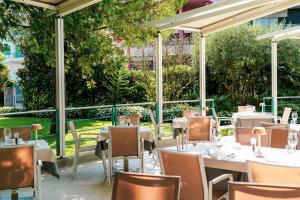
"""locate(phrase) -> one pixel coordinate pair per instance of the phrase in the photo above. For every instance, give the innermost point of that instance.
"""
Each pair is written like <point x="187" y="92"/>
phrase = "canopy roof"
<point x="61" y="7"/>
<point x="222" y="15"/>
<point x="288" y="33"/>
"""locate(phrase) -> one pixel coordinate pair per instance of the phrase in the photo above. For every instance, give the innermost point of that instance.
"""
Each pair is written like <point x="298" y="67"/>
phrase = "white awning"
<point x="288" y="33"/>
<point x="60" y="7"/>
<point x="222" y="15"/>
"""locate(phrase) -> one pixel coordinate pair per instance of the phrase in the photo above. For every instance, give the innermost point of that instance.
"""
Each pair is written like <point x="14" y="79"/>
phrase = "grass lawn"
<point x="90" y="126"/>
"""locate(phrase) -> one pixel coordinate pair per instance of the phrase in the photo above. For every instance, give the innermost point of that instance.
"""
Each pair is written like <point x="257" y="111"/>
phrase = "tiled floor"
<point x="90" y="182"/>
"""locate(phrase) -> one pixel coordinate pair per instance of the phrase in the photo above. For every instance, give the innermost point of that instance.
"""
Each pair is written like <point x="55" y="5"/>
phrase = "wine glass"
<point x="7" y="135"/>
<point x="293" y="139"/>
<point x="295" y="117"/>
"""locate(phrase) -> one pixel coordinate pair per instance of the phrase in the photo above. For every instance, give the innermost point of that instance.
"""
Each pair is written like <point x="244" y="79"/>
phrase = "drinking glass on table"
<point x="7" y="135"/>
<point x="295" y="117"/>
<point x="293" y="139"/>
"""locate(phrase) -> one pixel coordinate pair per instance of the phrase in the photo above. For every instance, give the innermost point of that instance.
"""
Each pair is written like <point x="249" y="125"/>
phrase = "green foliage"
<point x="239" y="66"/>
<point x="118" y="85"/>
<point x="180" y="83"/>
<point x="10" y="109"/>
<point x="91" y="47"/>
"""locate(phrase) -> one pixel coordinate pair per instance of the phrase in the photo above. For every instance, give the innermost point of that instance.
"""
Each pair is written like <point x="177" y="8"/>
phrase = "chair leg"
<point x="177" y="142"/>
<point x="104" y="164"/>
<point x="75" y="163"/>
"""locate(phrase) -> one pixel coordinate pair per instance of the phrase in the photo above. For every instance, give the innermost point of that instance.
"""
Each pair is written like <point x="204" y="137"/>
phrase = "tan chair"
<point x="130" y="186"/>
<point x="285" y="116"/>
<point x="123" y="119"/>
<point x="19" y="170"/>
<point x="222" y="119"/>
<point x="279" y="134"/>
<point x="274" y="174"/>
<point x="125" y="142"/>
<point x="79" y="148"/>
<point x="190" y="167"/>
<point x="249" y="191"/>
<point x="244" y="135"/>
<point x="191" y="113"/>
<point x="247" y="108"/>
<point x="199" y="129"/>
<point x="159" y="133"/>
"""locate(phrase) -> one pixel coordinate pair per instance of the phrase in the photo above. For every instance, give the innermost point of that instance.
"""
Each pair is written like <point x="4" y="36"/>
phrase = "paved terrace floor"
<point x="90" y="182"/>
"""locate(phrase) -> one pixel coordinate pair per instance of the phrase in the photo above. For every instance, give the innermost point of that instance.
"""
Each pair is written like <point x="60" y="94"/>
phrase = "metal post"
<point x="60" y="83"/>
<point x="274" y="78"/>
<point x="202" y="78"/>
<point x="159" y="77"/>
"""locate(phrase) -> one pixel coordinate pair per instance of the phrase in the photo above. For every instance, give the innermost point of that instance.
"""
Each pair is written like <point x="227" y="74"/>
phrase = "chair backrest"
<point x="191" y="113"/>
<point x="199" y="128"/>
<point x="124" y="141"/>
<point x="152" y="119"/>
<point x="74" y="132"/>
<point x="244" y="135"/>
<point x="25" y="132"/>
<point x="275" y="174"/>
<point x="248" y="108"/>
<point x="285" y="116"/>
<point x="190" y="168"/>
<point x="147" y="187"/>
<point x="122" y="119"/>
<point x="279" y="136"/>
<point x="17" y="167"/>
<point x="247" y="191"/>
<point x="266" y="125"/>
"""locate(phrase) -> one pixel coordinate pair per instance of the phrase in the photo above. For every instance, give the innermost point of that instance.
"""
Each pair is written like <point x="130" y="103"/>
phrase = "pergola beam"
<point x="159" y="77"/>
<point x="274" y="78"/>
<point x="37" y="4"/>
<point x="71" y="6"/>
<point x="202" y="73"/>
<point x="250" y="15"/>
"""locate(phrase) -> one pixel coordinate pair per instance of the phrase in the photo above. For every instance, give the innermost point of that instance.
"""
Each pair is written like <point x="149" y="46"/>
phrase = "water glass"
<point x="295" y="117"/>
<point x="293" y="139"/>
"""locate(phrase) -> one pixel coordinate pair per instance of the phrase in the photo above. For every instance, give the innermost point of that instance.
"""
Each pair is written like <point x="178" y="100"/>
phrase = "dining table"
<point x="227" y="154"/>
<point x="45" y="154"/>
<point x="251" y="119"/>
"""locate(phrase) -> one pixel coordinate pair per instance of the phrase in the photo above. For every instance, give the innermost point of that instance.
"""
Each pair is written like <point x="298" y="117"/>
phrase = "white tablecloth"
<point x="252" y="118"/>
<point x="240" y="153"/>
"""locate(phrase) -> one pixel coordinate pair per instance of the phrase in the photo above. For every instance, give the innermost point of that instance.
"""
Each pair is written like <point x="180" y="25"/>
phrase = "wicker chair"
<point x="190" y="167"/>
<point x="147" y="187"/>
<point x="125" y="142"/>
<point x="19" y="170"/>
<point x="247" y="191"/>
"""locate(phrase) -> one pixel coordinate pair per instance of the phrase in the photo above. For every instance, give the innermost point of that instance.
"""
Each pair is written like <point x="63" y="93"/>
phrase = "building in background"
<point x="13" y="61"/>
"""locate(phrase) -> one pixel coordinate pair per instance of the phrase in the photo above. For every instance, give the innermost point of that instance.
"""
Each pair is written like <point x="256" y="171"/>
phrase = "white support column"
<point x="159" y="77"/>
<point x="60" y="82"/>
<point x="202" y="73"/>
<point x="274" y="77"/>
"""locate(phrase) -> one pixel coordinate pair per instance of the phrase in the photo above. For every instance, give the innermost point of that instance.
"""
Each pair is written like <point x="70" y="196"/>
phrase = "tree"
<point x="238" y="65"/>
<point x="90" y="36"/>
<point x="3" y="79"/>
